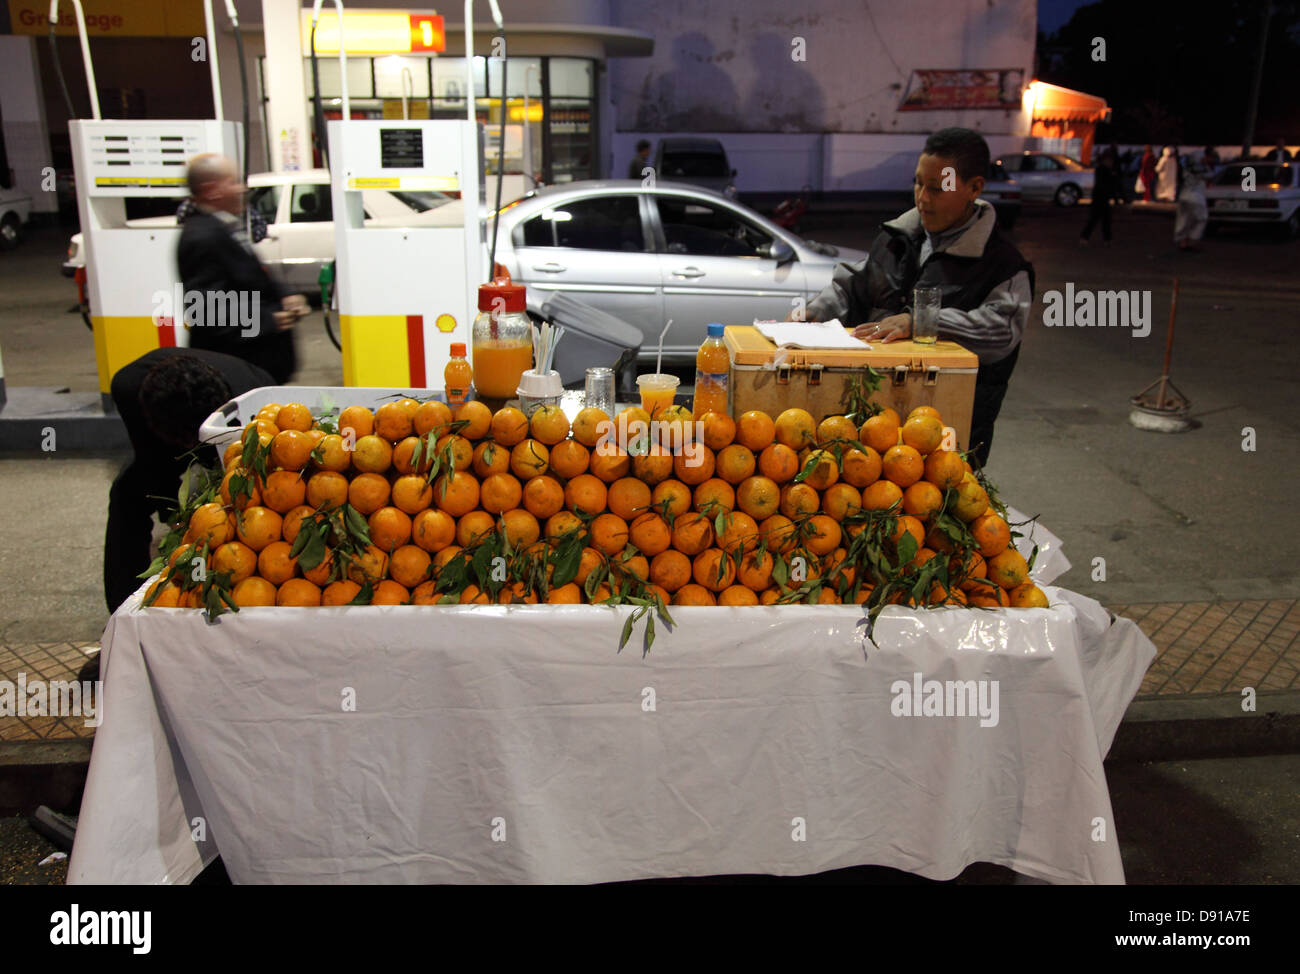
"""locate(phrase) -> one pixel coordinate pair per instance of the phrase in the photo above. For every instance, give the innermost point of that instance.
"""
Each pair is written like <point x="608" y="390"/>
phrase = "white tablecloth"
<point x="513" y="744"/>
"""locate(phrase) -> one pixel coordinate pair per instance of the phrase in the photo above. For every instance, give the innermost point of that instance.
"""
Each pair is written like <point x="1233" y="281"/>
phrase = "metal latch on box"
<point x="783" y="371"/>
<point x="931" y="374"/>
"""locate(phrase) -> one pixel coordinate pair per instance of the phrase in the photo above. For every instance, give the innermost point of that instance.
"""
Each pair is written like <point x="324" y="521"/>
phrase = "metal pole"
<point x="210" y="28"/>
<point x="1169" y="348"/>
<point x="1248" y="140"/>
<point x="85" y="50"/>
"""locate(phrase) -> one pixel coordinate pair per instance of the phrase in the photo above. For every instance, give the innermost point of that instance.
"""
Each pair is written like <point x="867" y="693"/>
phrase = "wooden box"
<point x="765" y="377"/>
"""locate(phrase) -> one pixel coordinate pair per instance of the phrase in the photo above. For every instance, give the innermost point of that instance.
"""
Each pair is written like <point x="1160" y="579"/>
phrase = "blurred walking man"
<point x="231" y="304"/>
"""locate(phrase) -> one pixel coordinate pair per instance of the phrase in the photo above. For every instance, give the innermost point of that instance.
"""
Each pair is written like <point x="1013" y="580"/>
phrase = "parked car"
<point x="650" y="254"/>
<point x="15" y="211"/>
<point x="698" y="162"/>
<point x="1048" y="176"/>
<point x="299" y="214"/>
<point x="1003" y="193"/>
<point x="1275" y="200"/>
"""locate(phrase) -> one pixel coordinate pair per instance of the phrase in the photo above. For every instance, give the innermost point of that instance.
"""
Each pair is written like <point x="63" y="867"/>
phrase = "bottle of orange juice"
<point x="458" y="376"/>
<point x="712" y="373"/>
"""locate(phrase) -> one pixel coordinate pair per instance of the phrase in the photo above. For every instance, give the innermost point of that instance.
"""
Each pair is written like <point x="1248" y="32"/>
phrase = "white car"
<point x="15" y="211"/>
<point x="1047" y="176"/>
<point x="647" y="254"/>
<point x="1273" y="201"/>
<point x="299" y="214"/>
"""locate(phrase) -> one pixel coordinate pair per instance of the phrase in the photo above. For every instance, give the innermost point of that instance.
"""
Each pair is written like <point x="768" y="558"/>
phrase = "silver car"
<point x="1046" y="176"/>
<point x="648" y="255"/>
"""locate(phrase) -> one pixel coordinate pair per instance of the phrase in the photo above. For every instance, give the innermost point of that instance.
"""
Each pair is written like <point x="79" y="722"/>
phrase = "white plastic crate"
<point x="225" y="425"/>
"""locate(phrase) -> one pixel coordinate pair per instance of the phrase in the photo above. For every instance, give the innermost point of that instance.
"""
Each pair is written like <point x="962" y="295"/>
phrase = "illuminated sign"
<point x="376" y="32"/>
<point x="111" y="18"/>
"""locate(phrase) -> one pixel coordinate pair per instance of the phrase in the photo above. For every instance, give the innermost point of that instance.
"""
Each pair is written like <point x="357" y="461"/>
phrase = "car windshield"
<point x="1070" y="162"/>
<point x="1265" y="175"/>
<point x="997" y="171"/>
<point x="694" y="165"/>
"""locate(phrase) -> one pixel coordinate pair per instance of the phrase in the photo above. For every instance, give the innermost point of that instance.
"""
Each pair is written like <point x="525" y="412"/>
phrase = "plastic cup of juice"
<point x="657" y="392"/>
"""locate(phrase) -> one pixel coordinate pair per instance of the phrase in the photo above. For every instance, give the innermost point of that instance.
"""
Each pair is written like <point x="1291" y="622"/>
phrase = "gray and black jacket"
<point x="987" y="285"/>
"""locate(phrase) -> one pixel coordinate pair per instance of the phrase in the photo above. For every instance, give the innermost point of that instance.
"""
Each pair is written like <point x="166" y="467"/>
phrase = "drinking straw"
<point x="659" y="358"/>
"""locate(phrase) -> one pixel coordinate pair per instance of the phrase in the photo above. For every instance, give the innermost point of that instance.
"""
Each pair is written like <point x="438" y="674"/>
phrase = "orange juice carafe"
<point x="458" y="376"/>
<point x="503" y="340"/>
<point x="712" y="374"/>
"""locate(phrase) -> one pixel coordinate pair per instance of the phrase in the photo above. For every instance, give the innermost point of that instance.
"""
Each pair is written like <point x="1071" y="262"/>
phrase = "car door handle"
<point x="689" y="272"/>
<point x="550" y="267"/>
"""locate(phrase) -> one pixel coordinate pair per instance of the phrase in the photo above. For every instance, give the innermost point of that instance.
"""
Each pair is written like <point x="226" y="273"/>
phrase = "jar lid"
<point x="515" y="297"/>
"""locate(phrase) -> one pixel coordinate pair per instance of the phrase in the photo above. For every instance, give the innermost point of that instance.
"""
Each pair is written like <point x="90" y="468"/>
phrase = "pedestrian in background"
<point x="216" y="259"/>
<point x="1193" y="209"/>
<point x="1279" y="153"/>
<point x="1147" y="174"/>
<point x="640" y="161"/>
<point x="1107" y="185"/>
<point x="1167" y="175"/>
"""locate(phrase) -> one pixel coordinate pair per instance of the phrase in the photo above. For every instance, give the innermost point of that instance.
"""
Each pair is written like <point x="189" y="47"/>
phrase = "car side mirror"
<point x="733" y="174"/>
<point x="779" y="251"/>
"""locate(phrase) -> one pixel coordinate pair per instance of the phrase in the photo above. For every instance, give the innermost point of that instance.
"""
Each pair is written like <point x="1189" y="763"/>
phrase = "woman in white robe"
<point x="1167" y="176"/>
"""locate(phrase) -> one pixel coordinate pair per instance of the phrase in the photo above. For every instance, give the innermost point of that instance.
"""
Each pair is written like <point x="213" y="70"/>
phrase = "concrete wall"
<point x="727" y="65"/>
<point x="830" y="121"/>
<point x="26" y="137"/>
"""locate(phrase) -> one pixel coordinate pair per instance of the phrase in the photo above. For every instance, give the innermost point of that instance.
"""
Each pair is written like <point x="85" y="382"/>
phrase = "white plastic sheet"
<point x="514" y="744"/>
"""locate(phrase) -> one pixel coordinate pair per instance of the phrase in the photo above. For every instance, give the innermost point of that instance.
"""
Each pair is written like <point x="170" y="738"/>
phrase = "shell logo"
<point x="445" y="323"/>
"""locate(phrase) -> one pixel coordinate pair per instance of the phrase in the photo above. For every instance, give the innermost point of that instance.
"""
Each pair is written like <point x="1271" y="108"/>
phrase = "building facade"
<point x="834" y="95"/>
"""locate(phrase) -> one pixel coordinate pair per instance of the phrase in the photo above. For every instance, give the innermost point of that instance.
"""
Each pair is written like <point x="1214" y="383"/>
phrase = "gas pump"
<point x="131" y="273"/>
<point x="406" y="293"/>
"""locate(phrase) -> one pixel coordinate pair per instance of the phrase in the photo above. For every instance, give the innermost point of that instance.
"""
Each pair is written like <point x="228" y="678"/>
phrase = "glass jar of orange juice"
<point x="502" y="340"/>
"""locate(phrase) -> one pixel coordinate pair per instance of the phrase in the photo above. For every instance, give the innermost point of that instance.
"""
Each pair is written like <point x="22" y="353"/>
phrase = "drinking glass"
<point x="600" y="390"/>
<point x="925" y="315"/>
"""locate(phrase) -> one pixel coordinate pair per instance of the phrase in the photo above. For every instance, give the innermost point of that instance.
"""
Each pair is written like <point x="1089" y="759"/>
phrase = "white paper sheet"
<point x="809" y="334"/>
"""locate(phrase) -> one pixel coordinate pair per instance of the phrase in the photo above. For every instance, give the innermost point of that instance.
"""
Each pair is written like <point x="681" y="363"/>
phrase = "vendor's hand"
<point x="892" y="329"/>
<point x="284" y="319"/>
<point x="296" y="305"/>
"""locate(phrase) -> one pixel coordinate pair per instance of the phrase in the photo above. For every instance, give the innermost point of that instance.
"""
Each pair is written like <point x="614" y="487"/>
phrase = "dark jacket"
<point x="213" y="262"/>
<point x="148" y="484"/>
<point x="871" y="290"/>
<point x="1108" y="185"/>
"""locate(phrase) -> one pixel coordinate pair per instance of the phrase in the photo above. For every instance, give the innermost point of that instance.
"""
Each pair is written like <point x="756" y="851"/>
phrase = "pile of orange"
<point x="414" y="504"/>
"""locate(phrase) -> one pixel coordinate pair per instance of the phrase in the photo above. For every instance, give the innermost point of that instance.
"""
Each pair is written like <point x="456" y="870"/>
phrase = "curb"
<point x="35" y="773"/>
<point x="1210" y="726"/>
<point x="76" y="419"/>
